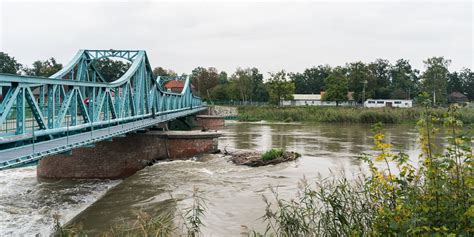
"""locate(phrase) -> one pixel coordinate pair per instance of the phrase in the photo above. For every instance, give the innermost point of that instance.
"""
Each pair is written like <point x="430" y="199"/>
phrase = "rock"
<point x="254" y="159"/>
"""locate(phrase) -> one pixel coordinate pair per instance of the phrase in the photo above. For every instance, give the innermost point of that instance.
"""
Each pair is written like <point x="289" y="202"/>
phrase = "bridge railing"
<point x="76" y="99"/>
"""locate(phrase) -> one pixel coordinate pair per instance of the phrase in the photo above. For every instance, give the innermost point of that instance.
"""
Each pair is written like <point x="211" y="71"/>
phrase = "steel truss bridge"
<point x="77" y="107"/>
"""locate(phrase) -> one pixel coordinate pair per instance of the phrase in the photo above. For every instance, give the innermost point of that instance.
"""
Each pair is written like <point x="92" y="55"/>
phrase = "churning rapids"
<point x="233" y="193"/>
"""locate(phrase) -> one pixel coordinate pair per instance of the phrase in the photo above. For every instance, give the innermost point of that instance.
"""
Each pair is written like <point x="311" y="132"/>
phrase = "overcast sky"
<point x="268" y="35"/>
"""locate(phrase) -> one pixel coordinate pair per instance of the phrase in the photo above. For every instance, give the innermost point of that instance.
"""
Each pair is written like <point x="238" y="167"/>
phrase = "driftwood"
<point x="254" y="159"/>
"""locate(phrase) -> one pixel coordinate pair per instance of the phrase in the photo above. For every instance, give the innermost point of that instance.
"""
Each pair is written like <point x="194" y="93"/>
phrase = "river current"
<point x="233" y="193"/>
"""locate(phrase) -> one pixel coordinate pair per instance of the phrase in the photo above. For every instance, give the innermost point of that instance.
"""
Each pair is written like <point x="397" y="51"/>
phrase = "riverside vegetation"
<point x="343" y="114"/>
<point x="396" y="197"/>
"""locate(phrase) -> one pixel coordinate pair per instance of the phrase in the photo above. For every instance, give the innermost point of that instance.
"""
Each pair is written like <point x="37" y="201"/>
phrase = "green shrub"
<point x="272" y="154"/>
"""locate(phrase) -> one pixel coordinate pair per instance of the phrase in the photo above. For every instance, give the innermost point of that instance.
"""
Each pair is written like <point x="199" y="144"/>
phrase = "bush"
<point x="272" y="154"/>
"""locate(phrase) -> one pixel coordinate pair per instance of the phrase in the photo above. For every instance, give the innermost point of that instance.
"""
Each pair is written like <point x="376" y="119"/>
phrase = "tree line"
<point x="378" y="80"/>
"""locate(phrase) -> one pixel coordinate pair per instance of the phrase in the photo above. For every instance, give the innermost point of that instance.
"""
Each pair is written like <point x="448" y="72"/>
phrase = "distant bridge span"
<point x="75" y="107"/>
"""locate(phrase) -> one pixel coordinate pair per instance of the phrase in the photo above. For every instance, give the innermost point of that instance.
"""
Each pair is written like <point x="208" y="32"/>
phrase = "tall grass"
<point x="342" y="114"/>
<point x="435" y="198"/>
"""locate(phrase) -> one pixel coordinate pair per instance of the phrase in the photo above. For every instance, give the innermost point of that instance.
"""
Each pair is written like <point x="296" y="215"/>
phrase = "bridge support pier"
<point x="211" y="122"/>
<point x="123" y="156"/>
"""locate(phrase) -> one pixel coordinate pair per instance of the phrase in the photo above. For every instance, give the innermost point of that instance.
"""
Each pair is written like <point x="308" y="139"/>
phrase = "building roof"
<point x="458" y="97"/>
<point x="174" y="84"/>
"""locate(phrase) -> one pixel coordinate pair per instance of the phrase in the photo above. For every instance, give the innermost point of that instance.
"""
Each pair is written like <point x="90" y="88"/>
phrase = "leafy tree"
<point x="9" y="64"/>
<point x="44" y="68"/>
<point x="311" y="81"/>
<point x="223" y="78"/>
<point x="279" y="88"/>
<point x="359" y="74"/>
<point x="159" y="71"/>
<point x="249" y="83"/>
<point x="204" y="80"/>
<point x="435" y="78"/>
<point x="467" y="78"/>
<point x="405" y="80"/>
<point x="336" y="88"/>
<point x="110" y="69"/>
<point x="380" y="70"/>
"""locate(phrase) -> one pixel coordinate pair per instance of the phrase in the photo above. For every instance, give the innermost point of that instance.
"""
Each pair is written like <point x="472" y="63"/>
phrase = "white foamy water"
<point x="27" y="204"/>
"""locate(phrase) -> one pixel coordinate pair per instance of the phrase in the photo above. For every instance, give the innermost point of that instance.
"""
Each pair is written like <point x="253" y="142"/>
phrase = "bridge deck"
<point x="33" y="152"/>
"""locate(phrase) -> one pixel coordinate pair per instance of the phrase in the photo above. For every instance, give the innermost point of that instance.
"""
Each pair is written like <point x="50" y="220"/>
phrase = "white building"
<point x="313" y="100"/>
<point x="371" y="103"/>
<point x="303" y="99"/>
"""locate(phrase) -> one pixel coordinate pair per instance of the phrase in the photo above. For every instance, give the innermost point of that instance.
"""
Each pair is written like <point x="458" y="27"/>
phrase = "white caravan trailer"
<point x="370" y="103"/>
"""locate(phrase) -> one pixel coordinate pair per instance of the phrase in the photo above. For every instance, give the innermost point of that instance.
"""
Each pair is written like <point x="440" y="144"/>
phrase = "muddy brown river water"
<point x="233" y="193"/>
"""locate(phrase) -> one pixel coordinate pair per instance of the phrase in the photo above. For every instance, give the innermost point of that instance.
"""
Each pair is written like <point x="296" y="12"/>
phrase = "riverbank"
<point x="341" y="114"/>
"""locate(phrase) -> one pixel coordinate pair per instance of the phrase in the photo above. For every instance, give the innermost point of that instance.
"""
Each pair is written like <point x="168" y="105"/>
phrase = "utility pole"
<point x="363" y="93"/>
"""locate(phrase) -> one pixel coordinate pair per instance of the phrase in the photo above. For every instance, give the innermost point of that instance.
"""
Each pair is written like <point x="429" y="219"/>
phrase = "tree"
<point x="9" y="64"/>
<point x="204" y="80"/>
<point x="249" y="83"/>
<point x="159" y="71"/>
<point x="359" y="74"/>
<point x="380" y="70"/>
<point x="467" y="78"/>
<point x="454" y="83"/>
<point x="223" y="78"/>
<point x="405" y="80"/>
<point x="110" y="69"/>
<point x="336" y="88"/>
<point x="279" y="88"/>
<point x="311" y="81"/>
<point x="44" y="68"/>
<point x="435" y="78"/>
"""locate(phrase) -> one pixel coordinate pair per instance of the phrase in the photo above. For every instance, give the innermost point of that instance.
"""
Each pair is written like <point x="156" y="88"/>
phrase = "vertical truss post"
<point x="73" y="107"/>
<point x="41" y="99"/>
<point x="20" y="111"/>
<point x="51" y="105"/>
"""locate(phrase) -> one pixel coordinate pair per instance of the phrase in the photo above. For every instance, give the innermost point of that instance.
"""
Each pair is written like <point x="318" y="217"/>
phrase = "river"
<point x="233" y="193"/>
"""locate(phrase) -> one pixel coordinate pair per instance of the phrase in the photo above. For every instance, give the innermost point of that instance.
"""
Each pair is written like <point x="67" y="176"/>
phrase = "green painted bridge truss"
<point x="78" y="99"/>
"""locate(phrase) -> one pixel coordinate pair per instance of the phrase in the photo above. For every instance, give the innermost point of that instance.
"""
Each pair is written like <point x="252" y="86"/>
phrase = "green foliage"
<point x="405" y="80"/>
<point x="336" y="88"/>
<point x="110" y="69"/>
<point x="272" y="154"/>
<point x="311" y="81"/>
<point x="342" y="114"/>
<point x="203" y="80"/>
<point x="358" y="73"/>
<point x="279" y="88"/>
<point x="9" y="64"/>
<point x="194" y="214"/>
<point x="159" y="71"/>
<point x="396" y="197"/>
<point x="462" y="81"/>
<point x="44" y="68"/>
<point x="435" y="78"/>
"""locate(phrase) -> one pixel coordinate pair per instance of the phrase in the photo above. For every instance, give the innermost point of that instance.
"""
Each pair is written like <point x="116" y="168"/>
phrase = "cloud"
<point x="267" y="35"/>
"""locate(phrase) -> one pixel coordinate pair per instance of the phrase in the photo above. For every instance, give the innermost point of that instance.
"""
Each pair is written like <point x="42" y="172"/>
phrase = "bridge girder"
<point x="77" y="98"/>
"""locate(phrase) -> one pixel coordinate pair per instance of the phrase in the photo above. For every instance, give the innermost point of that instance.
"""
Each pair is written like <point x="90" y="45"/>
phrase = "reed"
<point x="342" y="114"/>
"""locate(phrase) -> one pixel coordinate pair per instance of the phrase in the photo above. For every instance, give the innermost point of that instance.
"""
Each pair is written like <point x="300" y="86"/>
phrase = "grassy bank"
<point x="342" y="114"/>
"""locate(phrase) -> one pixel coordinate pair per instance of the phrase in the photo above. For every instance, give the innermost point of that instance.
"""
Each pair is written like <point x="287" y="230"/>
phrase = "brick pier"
<point x="123" y="156"/>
